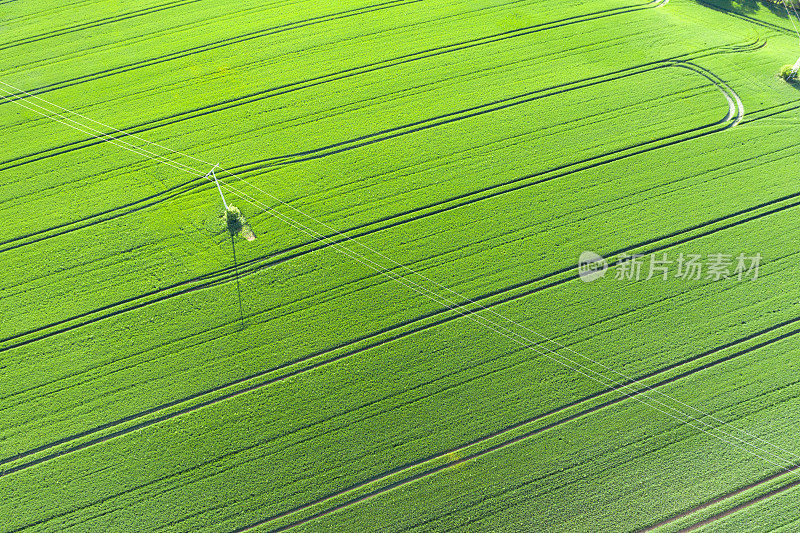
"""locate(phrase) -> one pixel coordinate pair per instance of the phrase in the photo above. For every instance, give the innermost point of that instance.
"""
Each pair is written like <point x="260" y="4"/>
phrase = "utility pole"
<point x="214" y="175"/>
<point x="233" y="245"/>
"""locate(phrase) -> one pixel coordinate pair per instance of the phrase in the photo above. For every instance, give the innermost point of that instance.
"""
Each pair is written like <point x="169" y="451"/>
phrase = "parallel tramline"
<point x="407" y="344"/>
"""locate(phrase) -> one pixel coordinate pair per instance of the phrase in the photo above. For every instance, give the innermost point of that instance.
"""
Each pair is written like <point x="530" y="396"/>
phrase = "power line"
<point x="615" y="385"/>
<point x="792" y="20"/>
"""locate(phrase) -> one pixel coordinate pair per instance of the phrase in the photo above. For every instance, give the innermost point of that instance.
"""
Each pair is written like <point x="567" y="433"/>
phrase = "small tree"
<point x="788" y="73"/>
<point x="234" y="219"/>
<point x="236" y="223"/>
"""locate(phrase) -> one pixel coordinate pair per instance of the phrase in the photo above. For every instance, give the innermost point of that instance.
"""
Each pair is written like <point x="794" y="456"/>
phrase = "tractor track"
<point x="229" y="41"/>
<point x="254" y="265"/>
<point x="256" y="166"/>
<point x="344" y="73"/>
<point x="483" y="302"/>
<point x="268" y="93"/>
<point x="749" y="503"/>
<point x="443" y="464"/>
<point x="787" y="485"/>
<point x="103" y="216"/>
<point x="96" y="23"/>
<point x="449" y="118"/>
<point x="442" y="461"/>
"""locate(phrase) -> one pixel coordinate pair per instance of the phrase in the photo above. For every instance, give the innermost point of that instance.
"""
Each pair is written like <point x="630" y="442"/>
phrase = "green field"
<point x="407" y="345"/>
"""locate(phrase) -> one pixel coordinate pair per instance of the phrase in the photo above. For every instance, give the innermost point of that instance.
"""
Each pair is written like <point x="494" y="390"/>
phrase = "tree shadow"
<point x="215" y="226"/>
<point x="238" y="286"/>
<point x="746" y="7"/>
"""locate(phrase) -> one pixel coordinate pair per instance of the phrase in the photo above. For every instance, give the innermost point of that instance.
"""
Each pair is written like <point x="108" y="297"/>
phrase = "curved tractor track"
<point x="732" y="118"/>
<point x="734" y="115"/>
<point x="735" y="105"/>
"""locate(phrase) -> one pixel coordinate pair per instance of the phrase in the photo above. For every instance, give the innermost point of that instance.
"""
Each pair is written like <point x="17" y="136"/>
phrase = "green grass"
<point x="484" y="145"/>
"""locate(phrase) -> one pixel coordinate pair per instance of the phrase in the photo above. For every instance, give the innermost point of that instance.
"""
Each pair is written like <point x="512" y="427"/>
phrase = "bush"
<point x="788" y="73"/>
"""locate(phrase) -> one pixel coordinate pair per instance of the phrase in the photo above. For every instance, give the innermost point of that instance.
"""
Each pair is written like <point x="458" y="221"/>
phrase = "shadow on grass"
<point x="238" y="286"/>
<point x="218" y="224"/>
<point x="746" y="7"/>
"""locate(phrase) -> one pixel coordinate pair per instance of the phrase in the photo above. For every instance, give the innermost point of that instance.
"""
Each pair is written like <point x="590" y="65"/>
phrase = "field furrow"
<point x="410" y="343"/>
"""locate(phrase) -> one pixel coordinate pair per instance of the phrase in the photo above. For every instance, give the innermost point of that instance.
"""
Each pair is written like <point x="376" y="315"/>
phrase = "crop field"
<point x="415" y="340"/>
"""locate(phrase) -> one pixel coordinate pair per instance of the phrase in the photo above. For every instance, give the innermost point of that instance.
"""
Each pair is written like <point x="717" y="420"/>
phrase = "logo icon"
<point x="591" y="266"/>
